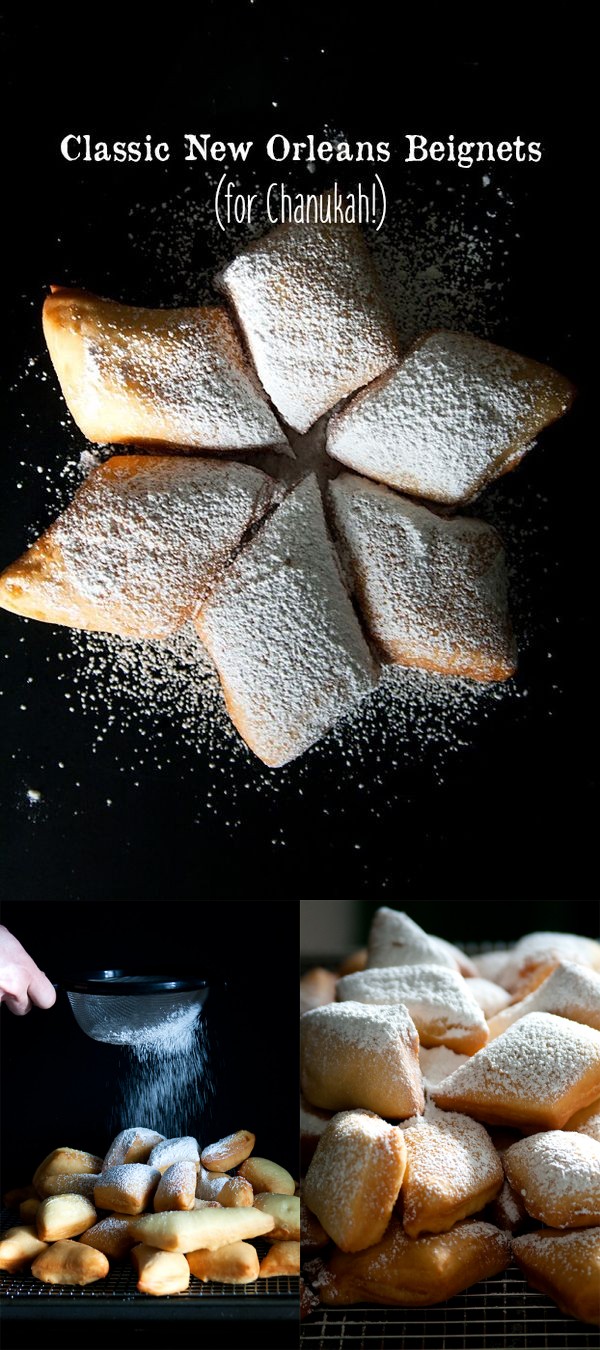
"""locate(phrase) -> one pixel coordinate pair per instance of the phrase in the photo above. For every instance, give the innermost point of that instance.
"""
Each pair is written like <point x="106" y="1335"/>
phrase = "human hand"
<point x="22" y="983"/>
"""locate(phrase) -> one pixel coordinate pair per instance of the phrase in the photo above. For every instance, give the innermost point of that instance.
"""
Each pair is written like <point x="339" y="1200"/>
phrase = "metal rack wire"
<point x="502" y="1313"/>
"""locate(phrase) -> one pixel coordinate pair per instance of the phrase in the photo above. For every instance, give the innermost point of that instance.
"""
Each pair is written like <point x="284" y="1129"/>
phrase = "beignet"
<point x="416" y="1272"/>
<point x="354" y="1179"/>
<point x="566" y="1266"/>
<point x="437" y="999"/>
<point x="355" y="1055"/>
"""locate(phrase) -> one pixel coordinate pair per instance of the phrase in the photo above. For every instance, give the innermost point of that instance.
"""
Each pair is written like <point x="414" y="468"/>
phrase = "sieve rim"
<point x="114" y="982"/>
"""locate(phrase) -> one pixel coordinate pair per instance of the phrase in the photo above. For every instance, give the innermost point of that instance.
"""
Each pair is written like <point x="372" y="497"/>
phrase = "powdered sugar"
<point x="490" y="997"/>
<point x="448" y="419"/>
<point x="308" y="300"/>
<point x="563" y="1254"/>
<point x="396" y="940"/>
<point x="433" y="592"/>
<point x="536" y="1061"/>
<point x="136" y="1180"/>
<point x="283" y="634"/>
<point x="569" y="991"/>
<point x="450" y="1159"/>
<point x="437" y="1000"/>
<point x="438" y="1063"/>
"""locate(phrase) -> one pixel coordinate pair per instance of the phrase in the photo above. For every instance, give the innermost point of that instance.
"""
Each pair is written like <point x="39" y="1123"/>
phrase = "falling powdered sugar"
<point x="166" y="1077"/>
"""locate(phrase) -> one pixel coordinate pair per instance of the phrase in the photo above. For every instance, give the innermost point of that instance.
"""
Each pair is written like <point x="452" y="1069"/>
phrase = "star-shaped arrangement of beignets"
<point x="452" y="1171"/>
<point x="432" y="590"/>
<point x="536" y="1074"/>
<point x="566" y="1266"/>
<point x="453" y="415"/>
<point x="437" y="999"/>
<point x="558" y="1175"/>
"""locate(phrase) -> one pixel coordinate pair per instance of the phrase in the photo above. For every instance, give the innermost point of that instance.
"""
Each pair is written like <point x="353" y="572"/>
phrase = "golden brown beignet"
<point x="557" y="1174"/>
<point x="569" y="991"/>
<point x="64" y="1216"/>
<point x="160" y="1272"/>
<point x="111" y="1236"/>
<point x="566" y="1266"/>
<point x="200" y="1228"/>
<point x="537" y="1073"/>
<point x="285" y="1210"/>
<point x="128" y="1188"/>
<point x="432" y="591"/>
<point x="536" y="955"/>
<point x="265" y="1175"/>
<point x="437" y="999"/>
<point x="416" y="1272"/>
<point x="228" y="1152"/>
<point x="309" y="302"/>
<point x="235" y="1264"/>
<point x="454" y="414"/>
<point x="63" y="1160"/>
<point x="131" y="1146"/>
<point x="452" y="1171"/>
<point x="157" y="377"/>
<point x="177" y="1187"/>
<point x="354" y="1179"/>
<point x="283" y="1258"/>
<point x="139" y="547"/>
<point x="19" y="1246"/>
<point x="69" y="1183"/>
<point x="283" y="634"/>
<point x="586" y="1121"/>
<point x="70" y="1263"/>
<point x="355" y="1055"/>
<point x="232" y="1192"/>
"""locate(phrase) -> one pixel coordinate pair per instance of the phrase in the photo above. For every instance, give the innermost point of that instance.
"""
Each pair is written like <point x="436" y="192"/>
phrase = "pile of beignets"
<point x="174" y="1210"/>
<point x="450" y="1120"/>
<point x="299" y="596"/>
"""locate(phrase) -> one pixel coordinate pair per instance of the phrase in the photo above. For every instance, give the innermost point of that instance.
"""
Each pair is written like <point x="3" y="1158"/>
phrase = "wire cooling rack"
<point x="22" y="1296"/>
<point x="502" y="1313"/>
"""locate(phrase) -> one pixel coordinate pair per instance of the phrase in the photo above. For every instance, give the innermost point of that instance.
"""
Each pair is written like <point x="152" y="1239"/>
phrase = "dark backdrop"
<point x="512" y="814"/>
<point x="58" y="1084"/>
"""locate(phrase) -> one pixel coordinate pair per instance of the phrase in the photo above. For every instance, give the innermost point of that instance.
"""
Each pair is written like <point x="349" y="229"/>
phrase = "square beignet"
<point x="432" y="591"/>
<point x="282" y="632"/>
<point x="566" y="1266"/>
<point x="309" y="302"/>
<point x="437" y="999"/>
<point x="416" y="1272"/>
<point x="127" y="1188"/>
<point x="454" y="414"/>
<point x="139" y="546"/>
<point x="70" y="1263"/>
<point x="156" y="377"/>
<point x="557" y="1173"/>
<point x="354" y="1055"/>
<point x="354" y="1179"/>
<point x="452" y="1171"/>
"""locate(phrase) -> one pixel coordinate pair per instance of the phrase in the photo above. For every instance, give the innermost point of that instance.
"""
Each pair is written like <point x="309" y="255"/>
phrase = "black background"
<point x="513" y="813"/>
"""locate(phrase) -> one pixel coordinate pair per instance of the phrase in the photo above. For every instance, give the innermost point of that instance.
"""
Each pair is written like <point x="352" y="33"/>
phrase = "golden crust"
<point x="235" y="1264"/>
<point x="283" y="1258"/>
<point x="354" y="1179"/>
<point x="566" y="1266"/>
<point x="416" y="1272"/>
<point x="70" y="1263"/>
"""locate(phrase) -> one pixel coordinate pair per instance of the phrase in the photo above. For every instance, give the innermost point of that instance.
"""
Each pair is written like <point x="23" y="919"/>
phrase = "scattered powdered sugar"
<point x="166" y="1078"/>
<point x="555" y="1167"/>
<point x="183" y="1148"/>
<point x="432" y="591"/>
<point x="536" y="1061"/>
<point x="365" y="1028"/>
<point x="443" y="423"/>
<point x="437" y="1000"/>
<point x="309" y="303"/>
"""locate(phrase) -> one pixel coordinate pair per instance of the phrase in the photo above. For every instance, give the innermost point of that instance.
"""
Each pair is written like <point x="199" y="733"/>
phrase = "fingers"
<point x="41" y="991"/>
<point x="17" y="1004"/>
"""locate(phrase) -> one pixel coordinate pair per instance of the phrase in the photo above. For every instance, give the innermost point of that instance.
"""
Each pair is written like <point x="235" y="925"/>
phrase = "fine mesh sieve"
<point x="122" y="1009"/>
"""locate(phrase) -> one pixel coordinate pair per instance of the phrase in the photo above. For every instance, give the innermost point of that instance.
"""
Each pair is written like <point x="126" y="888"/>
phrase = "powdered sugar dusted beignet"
<point x="355" y="1055"/>
<point x="228" y="1152"/>
<point x="156" y="377"/>
<point x="140" y="545"/>
<point x="111" y="1236"/>
<point x="507" y="1210"/>
<point x="453" y="415"/>
<point x="432" y="591"/>
<point x="452" y="1170"/>
<point x="69" y="1183"/>
<point x="396" y="940"/>
<point x="132" y="1145"/>
<point x="354" y="1179"/>
<point x="537" y="1073"/>
<point x="283" y="634"/>
<point x="490" y="997"/>
<point x="536" y="955"/>
<point x="558" y="1176"/>
<point x="177" y="1187"/>
<point x="416" y="1272"/>
<point x="169" y="1151"/>
<point x="566" y="1266"/>
<point x="128" y="1189"/>
<point x="569" y="991"/>
<point x="438" y="1063"/>
<point x="437" y="999"/>
<point x="309" y="302"/>
<point x="232" y="1192"/>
